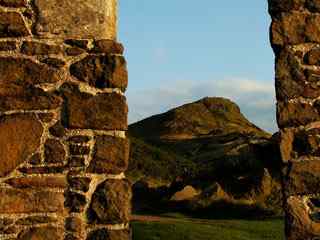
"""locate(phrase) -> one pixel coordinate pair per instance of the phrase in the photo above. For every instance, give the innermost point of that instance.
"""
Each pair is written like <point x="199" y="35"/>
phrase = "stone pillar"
<point x="63" y="121"/>
<point x="295" y="38"/>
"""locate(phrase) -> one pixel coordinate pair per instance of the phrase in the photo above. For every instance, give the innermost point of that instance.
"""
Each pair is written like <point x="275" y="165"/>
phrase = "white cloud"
<point x="255" y="98"/>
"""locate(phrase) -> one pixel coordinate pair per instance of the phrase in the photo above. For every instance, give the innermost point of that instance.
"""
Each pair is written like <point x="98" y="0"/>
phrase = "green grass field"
<point x="182" y="229"/>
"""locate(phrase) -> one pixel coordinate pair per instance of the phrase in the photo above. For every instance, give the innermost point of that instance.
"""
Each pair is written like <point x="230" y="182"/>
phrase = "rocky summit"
<point x="207" y="145"/>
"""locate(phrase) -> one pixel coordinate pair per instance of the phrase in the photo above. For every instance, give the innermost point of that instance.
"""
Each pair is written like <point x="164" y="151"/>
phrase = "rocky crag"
<point x="206" y="151"/>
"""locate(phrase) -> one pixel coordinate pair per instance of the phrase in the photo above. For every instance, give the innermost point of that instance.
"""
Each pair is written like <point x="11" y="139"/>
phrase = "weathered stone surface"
<point x="107" y="71"/>
<point x="5" y="223"/>
<point x="45" y="117"/>
<point x="296" y="114"/>
<point x="16" y="131"/>
<point x="74" y="51"/>
<point x="111" y="155"/>
<point x="38" y="182"/>
<point x="76" y="19"/>
<point x="81" y="43"/>
<point x="41" y="233"/>
<point x="19" y="98"/>
<point x="313" y="57"/>
<point x="302" y="178"/>
<point x="79" y="183"/>
<point x="100" y="112"/>
<point x="39" y="48"/>
<point x="74" y="224"/>
<point x="295" y="28"/>
<point x="292" y="81"/>
<point x="79" y="150"/>
<point x="30" y="201"/>
<point x="54" y="151"/>
<point x="41" y="170"/>
<point x="107" y="46"/>
<point x="12" y="25"/>
<point x="79" y="139"/>
<point x="110" y="203"/>
<point x="76" y="161"/>
<point x="54" y="62"/>
<point x="8" y="45"/>
<point x="299" y="224"/>
<point x="36" y="220"/>
<point x="57" y="130"/>
<point x="18" y="78"/>
<point x="13" y="3"/>
<point x="104" y="234"/>
<point x="35" y="159"/>
<point x="25" y="72"/>
<point x="75" y="202"/>
<point x="299" y="143"/>
<point x="276" y="6"/>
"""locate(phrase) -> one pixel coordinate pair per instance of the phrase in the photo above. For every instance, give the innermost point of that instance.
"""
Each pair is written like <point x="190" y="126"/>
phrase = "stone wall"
<point x="295" y="37"/>
<point x="63" y="121"/>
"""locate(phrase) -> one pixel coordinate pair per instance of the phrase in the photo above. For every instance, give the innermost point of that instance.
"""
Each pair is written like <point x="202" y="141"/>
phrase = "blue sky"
<point x="179" y="51"/>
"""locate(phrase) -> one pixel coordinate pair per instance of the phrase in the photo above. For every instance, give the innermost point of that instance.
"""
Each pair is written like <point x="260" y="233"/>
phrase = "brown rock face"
<point x="303" y="178"/>
<point x="300" y="222"/>
<point x="76" y="19"/>
<point x="41" y="233"/>
<point x="102" y="71"/>
<point x="295" y="28"/>
<point x="296" y="114"/>
<point x="31" y="201"/>
<point x="15" y="132"/>
<point x="17" y="85"/>
<point x="12" y="25"/>
<point x="100" y="112"/>
<point x="111" y="155"/>
<point x="13" y="3"/>
<point x="110" y="203"/>
<point x="38" y="182"/>
<point x="292" y="80"/>
<point x="36" y="48"/>
<point x="54" y="151"/>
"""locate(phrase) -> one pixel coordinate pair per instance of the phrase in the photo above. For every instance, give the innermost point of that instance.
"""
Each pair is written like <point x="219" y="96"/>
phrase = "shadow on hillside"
<point x="156" y="201"/>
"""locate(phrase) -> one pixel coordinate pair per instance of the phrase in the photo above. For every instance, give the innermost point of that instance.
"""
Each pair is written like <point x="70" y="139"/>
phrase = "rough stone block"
<point x="16" y="131"/>
<point x="79" y="183"/>
<point x="107" y="71"/>
<point x="292" y="81"/>
<point x="99" y="112"/>
<point x="38" y="182"/>
<point x="41" y="233"/>
<point x="302" y="178"/>
<point x="300" y="223"/>
<point x="295" y="28"/>
<point x="110" y="203"/>
<point x="38" y="48"/>
<point x="294" y="114"/>
<point x="30" y="201"/>
<point x="54" y="151"/>
<point x="13" y="3"/>
<point x="12" y="25"/>
<point x="75" y="202"/>
<point x="76" y="19"/>
<point x="299" y="143"/>
<point x="111" y="155"/>
<point x="8" y="45"/>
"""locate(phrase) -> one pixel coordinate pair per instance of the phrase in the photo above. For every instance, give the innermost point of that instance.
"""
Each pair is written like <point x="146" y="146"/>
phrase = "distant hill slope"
<point x="204" y="118"/>
<point x="203" y="144"/>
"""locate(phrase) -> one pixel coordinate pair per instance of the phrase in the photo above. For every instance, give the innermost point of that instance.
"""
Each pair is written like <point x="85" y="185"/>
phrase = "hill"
<point x="211" y="146"/>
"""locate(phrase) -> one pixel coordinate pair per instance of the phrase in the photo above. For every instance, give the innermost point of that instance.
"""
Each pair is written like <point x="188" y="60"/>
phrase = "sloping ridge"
<point x="210" y="116"/>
